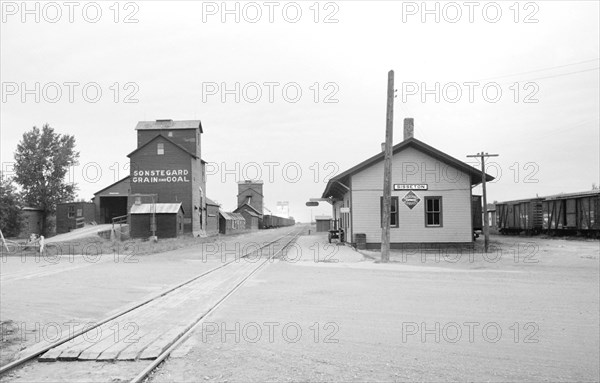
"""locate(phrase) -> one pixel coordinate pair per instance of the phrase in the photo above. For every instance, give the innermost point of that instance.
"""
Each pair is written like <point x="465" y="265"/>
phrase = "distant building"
<point x="323" y="223"/>
<point x="251" y="193"/>
<point x="231" y="223"/>
<point x="251" y="216"/>
<point x="212" y="217"/>
<point x="74" y="215"/>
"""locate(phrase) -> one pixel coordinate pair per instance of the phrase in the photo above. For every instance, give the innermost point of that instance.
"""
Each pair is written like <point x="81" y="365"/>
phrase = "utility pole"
<point x="486" y="229"/>
<point x="387" y="171"/>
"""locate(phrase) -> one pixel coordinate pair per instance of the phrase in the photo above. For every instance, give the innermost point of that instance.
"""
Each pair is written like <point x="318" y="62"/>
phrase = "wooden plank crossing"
<point x="147" y="331"/>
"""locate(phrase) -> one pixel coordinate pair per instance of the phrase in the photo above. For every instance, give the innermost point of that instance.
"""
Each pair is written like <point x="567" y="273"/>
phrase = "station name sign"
<point x="160" y="175"/>
<point x="410" y="187"/>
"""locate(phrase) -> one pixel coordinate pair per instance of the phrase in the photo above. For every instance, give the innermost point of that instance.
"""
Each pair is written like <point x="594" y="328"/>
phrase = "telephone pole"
<point x="486" y="229"/>
<point x="387" y="172"/>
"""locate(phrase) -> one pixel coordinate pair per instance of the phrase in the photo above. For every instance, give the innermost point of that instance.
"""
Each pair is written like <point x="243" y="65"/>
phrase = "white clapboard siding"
<point x="411" y="166"/>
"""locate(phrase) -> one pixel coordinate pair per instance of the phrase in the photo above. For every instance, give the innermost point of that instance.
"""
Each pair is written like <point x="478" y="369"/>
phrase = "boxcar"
<point x="272" y="221"/>
<point x="514" y="217"/>
<point x="572" y="213"/>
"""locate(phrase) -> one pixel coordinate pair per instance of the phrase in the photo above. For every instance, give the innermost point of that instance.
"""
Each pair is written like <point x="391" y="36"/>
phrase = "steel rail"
<point x="199" y="320"/>
<point x="11" y="366"/>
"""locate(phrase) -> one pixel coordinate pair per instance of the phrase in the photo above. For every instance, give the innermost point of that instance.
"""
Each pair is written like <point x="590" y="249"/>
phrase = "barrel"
<point x="361" y="241"/>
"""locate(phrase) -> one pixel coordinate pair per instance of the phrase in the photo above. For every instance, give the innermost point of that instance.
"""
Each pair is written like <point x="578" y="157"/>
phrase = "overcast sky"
<point x="176" y="60"/>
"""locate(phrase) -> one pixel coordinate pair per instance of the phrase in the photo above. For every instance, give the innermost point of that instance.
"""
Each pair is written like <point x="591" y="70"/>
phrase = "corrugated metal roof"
<point x="161" y="208"/>
<point x="232" y="216"/>
<point x="169" y="124"/>
<point x="211" y="202"/>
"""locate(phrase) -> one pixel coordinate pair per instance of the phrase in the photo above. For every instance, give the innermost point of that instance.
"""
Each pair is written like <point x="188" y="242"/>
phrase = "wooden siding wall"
<point x="451" y="184"/>
<point x="168" y="192"/>
<point x="64" y="224"/>
<point x="167" y="225"/>
<point x="188" y="138"/>
<point x="254" y="190"/>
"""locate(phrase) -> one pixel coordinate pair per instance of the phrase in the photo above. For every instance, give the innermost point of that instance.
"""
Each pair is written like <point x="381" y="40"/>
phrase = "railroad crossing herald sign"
<point x="411" y="200"/>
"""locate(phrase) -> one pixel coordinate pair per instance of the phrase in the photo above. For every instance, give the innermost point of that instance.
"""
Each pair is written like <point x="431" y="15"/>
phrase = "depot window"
<point x="433" y="211"/>
<point x="394" y="212"/>
<point x="71" y="213"/>
<point x="160" y="149"/>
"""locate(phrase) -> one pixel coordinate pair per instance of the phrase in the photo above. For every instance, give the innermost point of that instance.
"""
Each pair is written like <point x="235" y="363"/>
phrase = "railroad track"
<point x="152" y="329"/>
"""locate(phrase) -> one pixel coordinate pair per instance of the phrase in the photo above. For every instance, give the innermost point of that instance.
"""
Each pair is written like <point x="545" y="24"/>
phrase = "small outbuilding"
<point x="323" y="223"/>
<point x="250" y="214"/>
<point x="74" y="215"/>
<point x="212" y="217"/>
<point x="231" y="223"/>
<point x="169" y="220"/>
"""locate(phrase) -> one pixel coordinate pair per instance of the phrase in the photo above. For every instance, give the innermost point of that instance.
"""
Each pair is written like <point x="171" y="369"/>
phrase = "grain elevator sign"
<point x="160" y="175"/>
<point x="411" y="200"/>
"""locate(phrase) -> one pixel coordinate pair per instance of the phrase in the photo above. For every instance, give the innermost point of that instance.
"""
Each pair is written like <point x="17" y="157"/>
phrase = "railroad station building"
<point x="431" y="197"/>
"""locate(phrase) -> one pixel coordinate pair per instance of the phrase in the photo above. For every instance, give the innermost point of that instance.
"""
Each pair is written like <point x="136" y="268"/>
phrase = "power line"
<point x="559" y="75"/>
<point x="540" y="70"/>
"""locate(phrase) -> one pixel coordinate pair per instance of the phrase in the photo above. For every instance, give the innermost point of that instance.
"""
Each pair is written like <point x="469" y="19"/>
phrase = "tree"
<point x="10" y="208"/>
<point x="42" y="161"/>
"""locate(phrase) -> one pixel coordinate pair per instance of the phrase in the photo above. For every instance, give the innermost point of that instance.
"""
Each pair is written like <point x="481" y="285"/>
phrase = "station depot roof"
<point x="157" y="208"/>
<point x="337" y="186"/>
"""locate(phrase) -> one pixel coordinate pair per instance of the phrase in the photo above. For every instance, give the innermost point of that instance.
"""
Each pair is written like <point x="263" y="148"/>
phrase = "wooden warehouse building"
<point x="73" y="215"/>
<point x="167" y="164"/>
<point x="431" y="197"/>
<point x="165" y="168"/>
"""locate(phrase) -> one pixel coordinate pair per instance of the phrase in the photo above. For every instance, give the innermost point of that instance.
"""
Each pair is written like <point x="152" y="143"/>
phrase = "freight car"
<point x="272" y="221"/>
<point x="572" y="214"/>
<point x="519" y="216"/>
<point x="561" y="214"/>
